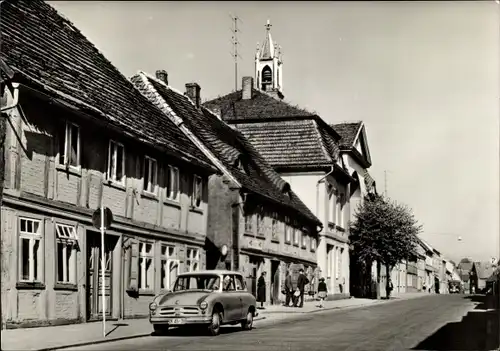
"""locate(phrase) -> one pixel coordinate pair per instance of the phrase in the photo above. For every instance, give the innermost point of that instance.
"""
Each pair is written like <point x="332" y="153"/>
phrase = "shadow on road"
<point x="190" y="331"/>
<point x="478" y="330"/>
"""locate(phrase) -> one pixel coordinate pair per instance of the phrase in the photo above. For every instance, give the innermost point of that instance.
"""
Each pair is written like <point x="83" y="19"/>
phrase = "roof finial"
<point x="268" y="25"/>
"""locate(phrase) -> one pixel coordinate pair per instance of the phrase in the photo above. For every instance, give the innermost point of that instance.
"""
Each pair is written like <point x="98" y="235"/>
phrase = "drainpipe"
<point x="16" y="98"/>
<point x="317" y="188"/>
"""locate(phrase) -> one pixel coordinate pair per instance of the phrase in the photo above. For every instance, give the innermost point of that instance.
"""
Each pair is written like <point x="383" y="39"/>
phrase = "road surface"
<point x="434" y="322"/>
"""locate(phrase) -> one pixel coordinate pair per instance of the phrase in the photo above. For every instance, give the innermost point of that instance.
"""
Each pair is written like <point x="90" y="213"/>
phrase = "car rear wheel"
<point x="160" y="328"/>
<point x="214" y="327"/>
<point x="247" y="323"/>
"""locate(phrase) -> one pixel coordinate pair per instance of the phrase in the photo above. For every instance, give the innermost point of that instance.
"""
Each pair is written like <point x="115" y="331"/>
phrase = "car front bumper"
<point x="185" y="320"/>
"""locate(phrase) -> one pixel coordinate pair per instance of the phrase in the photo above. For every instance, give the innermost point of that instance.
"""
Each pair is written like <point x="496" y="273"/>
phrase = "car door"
<point x="242" y="296"/>
<point x="230" y="299"/>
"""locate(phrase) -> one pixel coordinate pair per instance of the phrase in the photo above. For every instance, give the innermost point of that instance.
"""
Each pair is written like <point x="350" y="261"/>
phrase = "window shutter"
<point x="134" y="265"/>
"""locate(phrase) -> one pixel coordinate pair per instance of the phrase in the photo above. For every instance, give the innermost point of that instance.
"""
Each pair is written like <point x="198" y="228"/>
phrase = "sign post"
<point x="102" y="219"/>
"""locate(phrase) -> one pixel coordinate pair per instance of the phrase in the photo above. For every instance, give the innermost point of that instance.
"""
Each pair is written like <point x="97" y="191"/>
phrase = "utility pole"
<point x="234" y="52"/>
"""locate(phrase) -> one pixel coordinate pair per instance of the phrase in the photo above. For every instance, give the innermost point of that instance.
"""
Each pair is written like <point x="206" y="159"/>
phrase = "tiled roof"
<point x="484" y="269"/>
<point x="48" y="52"/>
<point x="227" y="144"/>
<point x="287" y="136"/>
<point x="260" y="106"/>
<point x="292" y="143"/>
<point x="347" y="132"/>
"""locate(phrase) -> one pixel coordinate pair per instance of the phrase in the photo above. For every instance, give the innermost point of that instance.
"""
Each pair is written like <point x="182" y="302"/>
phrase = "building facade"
<point x="303" y="149"/>
<point x="72" y="148"/>
<point x="256" y="222"/>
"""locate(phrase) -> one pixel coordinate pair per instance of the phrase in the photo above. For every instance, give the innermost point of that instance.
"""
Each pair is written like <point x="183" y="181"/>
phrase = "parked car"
<point x="455" y="287"/>
<point x="206" y="298"/>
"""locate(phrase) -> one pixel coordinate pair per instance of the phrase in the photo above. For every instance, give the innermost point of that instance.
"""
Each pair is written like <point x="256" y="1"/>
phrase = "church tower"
<point x="269" y="66"/>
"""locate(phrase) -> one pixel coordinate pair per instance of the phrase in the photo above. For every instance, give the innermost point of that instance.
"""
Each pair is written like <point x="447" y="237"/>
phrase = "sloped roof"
<point x="287" y="136"/>
<point x="49" y="53"/>
<point x="465" y="265"/>
<point x="484" y="269"/>
<point x="227" y="144"/>
<point x="267" y="49"/>
<point x="348" y="132"/>
<point x="261" y="106"/>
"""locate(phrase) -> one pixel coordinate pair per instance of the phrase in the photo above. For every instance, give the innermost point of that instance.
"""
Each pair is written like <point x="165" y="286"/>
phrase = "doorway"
<point x="94" y="278"/>
<point x="275" y="282"/>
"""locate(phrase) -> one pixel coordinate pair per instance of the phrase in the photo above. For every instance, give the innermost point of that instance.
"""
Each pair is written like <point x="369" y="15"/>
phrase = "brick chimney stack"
<point x="162" y="75"/>
<point x="247" y="86"/>
<point x="193" y="92"/>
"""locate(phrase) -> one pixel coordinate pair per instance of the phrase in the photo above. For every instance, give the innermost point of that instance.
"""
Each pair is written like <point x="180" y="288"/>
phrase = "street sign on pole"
<point x="102" y="219"/>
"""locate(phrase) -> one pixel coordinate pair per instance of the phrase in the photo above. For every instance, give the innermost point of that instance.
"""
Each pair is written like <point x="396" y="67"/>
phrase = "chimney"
<point x="193" y="92"/>
<point x="162" y="75"/>
<point x="247" y="86"/>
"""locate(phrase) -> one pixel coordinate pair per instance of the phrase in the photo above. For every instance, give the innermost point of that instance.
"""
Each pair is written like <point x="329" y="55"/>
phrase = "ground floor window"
<point x="31" y="250"/>
<point x="193" y="260"/>
<point x="169" y="267"/>
<point x="66" y="242"/>
<point x="146" y="267"/>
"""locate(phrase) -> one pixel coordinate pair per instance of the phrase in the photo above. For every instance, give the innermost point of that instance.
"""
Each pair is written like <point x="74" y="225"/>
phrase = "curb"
<point x="95" y="342"/>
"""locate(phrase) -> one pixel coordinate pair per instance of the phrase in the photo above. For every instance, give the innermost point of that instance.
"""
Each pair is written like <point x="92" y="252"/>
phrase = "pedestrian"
<point x="390" y="287"/>
<point x="302" y="281"/>
<point x="424" y="287"/>
<point x="322" y="291"/>
<point x="261" y="290"/>
<point x="288" y="288"/>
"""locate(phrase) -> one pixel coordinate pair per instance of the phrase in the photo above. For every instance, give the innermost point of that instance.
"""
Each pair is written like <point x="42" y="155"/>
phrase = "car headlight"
<point x="153" y="306"/>
<point x="203" y="305"/>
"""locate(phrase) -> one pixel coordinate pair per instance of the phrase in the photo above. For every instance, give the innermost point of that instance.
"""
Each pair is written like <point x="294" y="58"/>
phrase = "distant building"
<point x="479" y="275"/>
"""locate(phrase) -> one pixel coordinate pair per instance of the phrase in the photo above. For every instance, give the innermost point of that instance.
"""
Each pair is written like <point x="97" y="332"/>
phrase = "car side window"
<point x="228" y="283"/>
<point x="240" y="284"/>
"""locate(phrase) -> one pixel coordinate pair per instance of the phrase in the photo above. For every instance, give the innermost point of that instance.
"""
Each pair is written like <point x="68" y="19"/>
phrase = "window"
<point x="69" y="145"/>
<point x="172" y="183"/>
<point x="288" y="238"/>
<point x="30" y="235"/>
<point x="240" y="284"/>
<point x="116" y="162"/>
<point x="341" y="211"/>
<point x="313" y="244"/>
<point x="304" y="240"/>
<point x="274" y="229"/>
<point x="248" y="223"/>
<point x="260" y="224"/>
<point x="169" y="267"/>
<point x="150" y="175"/>
<point x="339" y="262"/>
<point x="66" y="241"/>
<point x="193" y="260"/>
<point x="228" y="283"/>
<point x="295" y="236"/>
<point x="146" y="269"/>
<point x="196" y="282"/>
<point x="197" y="191"/>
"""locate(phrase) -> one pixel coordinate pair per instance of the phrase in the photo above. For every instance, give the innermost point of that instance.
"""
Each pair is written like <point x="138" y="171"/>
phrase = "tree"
<point x="384" y="231"/>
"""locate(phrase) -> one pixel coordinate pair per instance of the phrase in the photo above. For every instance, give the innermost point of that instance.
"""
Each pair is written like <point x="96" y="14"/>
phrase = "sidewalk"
<point x="57" y="337"/>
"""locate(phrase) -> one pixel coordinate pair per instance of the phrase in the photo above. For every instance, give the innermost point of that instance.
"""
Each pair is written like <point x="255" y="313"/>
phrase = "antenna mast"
<point x="235" y="44"/>
<point x="385" y="183"/>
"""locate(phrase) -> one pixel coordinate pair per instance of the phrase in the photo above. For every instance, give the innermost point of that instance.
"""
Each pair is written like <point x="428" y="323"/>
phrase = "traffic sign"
<point x="108" y="218"/>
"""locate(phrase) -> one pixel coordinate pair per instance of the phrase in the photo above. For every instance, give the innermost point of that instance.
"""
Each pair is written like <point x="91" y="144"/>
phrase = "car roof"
<point x="210" y="272"/>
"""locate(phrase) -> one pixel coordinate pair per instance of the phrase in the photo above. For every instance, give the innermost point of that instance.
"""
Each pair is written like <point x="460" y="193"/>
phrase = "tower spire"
<point x="268" y="65"/>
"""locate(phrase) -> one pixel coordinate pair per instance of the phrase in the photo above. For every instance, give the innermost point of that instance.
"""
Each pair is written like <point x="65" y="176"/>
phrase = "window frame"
<point x="32" y="237"/>
<point x="145" y="256"/>
<point x="248" y="218"/>
<point x="152" y="178"/>
<point x="261" y="230"/>
<point x="171" y="182"/>
<point x="304" y="237"/>
<point x="314" y="244"/>
<point x="288" y="236"/>
<point x="68" y="242"/>
<point x="67" y="146"/>
<point x="274" y="230"/>
<point x="197" y="193"/>
<point x="191" y="259"/>
<point x="296" y="239"/>
<point x="112" y="177"/>
<point x="165" y="261"/>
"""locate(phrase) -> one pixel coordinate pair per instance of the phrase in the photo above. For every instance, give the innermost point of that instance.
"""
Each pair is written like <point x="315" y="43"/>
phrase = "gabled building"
<point x="256" y="221"/>
<point x="479" y="274"/>
<point x="356" y="157"/>
<point x="302" y="148"/>
<point x="80" y="136"/>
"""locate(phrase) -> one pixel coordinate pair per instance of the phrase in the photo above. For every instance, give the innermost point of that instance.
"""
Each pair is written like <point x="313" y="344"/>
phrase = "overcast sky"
<point x="424" y="77"/>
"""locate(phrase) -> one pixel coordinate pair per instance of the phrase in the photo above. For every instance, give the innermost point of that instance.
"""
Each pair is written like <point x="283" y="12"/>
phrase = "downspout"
<point x="317" y="187"/>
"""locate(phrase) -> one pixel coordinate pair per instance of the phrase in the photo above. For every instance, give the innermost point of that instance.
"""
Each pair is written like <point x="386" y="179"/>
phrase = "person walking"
<point x="261" y="290"/>
<point x="302" y="281"/>
<point x="288" y="288"/>
<point x="322" y="291"/>
<point x="390" y="287"/>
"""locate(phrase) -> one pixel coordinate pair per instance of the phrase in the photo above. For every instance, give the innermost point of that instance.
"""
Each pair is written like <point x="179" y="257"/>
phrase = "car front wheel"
<point x="214" y="327"/>
<point x="247" y="323"/>
<point x="160" y="328"/>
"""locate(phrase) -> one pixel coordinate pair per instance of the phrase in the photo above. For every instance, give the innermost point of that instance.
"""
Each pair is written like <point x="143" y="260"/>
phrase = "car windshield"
<point x="197" y="282"/>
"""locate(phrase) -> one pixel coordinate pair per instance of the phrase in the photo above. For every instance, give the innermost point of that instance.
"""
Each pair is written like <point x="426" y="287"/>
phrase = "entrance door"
<point x="94" y="277"/>
<point x="275" y="285"/>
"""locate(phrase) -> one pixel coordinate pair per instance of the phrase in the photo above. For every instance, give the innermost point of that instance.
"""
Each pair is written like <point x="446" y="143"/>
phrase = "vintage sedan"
<point x="206" y="298"/>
